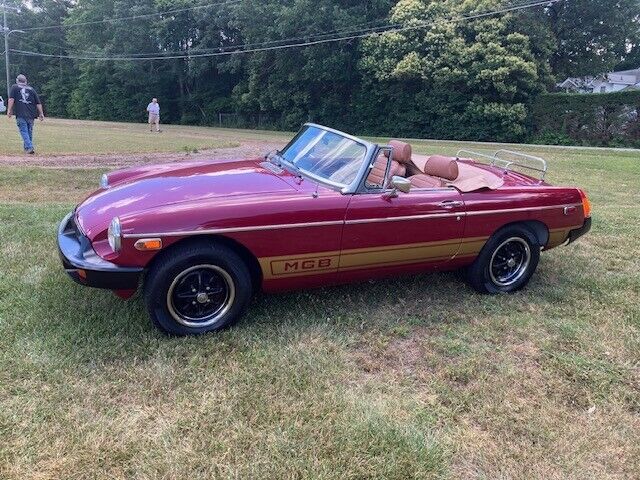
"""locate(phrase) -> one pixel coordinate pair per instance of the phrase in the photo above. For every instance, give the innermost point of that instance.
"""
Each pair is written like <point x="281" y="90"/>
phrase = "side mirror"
<point x="400" y="183"/>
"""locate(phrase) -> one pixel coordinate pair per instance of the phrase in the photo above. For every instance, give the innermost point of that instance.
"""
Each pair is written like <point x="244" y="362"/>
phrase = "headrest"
<point x="443" y="167"/>
<point x="401" y="151"/>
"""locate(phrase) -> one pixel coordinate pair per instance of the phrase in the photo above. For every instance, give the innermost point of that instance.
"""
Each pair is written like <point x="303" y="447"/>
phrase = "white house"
<point x="605" y="83"/>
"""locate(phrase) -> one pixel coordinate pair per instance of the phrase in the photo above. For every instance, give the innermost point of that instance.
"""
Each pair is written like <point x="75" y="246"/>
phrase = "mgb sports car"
<point x="329" y="208"/>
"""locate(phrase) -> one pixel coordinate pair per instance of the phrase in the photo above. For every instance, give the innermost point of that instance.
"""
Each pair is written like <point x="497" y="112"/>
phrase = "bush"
<point x="551" y="138"/>
<point x="601" y="119"/>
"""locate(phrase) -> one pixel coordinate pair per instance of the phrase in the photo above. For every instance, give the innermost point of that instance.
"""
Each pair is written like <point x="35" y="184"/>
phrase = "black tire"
<point x="186" y="285"/>
<point x="507" y="261"/>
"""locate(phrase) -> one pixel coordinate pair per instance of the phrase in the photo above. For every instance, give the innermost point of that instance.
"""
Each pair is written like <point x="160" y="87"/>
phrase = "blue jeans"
<point x="25" y="125"/>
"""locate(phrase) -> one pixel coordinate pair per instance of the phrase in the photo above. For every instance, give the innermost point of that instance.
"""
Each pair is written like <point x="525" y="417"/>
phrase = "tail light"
<point x="586" y="204"/>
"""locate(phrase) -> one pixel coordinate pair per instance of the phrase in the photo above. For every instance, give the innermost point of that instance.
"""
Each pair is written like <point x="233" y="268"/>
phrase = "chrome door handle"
<point x="451" y="204"/>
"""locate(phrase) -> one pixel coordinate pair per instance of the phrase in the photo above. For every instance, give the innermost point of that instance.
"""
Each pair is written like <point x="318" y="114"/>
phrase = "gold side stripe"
<point x="303" y="256"/>
<point x="360" y="258"/>
<point x="383" y="256"/>
<point x="557" y="238"/>
<point x="562" y="229"/>
<point x="394" y="263"/>
<point x="405" y="246"/>
<point x="471" y="248"/>
<point x="351" y="251"/>
<point x="365" y="259"/>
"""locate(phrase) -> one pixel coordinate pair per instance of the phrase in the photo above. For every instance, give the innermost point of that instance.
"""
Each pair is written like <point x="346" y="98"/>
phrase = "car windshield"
<point x="326" y="155"/>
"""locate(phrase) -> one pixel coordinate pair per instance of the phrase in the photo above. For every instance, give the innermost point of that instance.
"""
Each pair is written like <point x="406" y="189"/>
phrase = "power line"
<point x="191" y="52"/>
<point x="242" y="49"/>
<point x="35" y="42"/>
<point x="134" y="17"/>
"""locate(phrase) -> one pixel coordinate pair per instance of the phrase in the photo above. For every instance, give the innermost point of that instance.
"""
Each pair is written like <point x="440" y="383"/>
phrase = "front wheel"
<point x="199" y="288"/>
<point x="507" y="261"/>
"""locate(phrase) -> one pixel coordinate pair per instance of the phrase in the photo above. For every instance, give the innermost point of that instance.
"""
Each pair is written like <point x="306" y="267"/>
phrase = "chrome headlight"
<point x="104" y="181"/>
<point x="115" y="235"/>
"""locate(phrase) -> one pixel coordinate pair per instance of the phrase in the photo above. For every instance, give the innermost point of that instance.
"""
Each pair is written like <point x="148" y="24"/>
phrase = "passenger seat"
<point x="438" y="171"/>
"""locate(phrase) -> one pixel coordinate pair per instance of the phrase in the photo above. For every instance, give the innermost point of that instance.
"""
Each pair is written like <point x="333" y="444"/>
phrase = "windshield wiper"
<point x="274" y="157"/>
<point x="284" y="163"/>
<point x="277" y="159"/>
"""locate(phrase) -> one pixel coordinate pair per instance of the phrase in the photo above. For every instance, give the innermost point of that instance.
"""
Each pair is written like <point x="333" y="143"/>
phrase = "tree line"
<point x="413" y="68"/>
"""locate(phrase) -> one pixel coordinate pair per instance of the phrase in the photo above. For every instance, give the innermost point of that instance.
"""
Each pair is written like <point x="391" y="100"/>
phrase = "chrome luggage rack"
<point x="515" y="160"/>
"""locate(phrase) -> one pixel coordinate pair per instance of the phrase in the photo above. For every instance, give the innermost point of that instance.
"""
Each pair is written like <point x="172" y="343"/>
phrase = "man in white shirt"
<point x="154" y="114"/>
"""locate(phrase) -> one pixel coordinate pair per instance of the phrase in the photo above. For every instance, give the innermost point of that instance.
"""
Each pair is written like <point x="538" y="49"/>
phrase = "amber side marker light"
<point x="148" y="244"/>
<point x="586" y="204"/>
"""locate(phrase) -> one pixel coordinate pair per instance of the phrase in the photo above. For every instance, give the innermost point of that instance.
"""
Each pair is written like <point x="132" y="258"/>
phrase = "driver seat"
<point x="399" y="163"/>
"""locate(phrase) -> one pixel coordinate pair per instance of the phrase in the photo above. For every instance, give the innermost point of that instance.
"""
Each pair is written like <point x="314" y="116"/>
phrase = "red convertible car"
<point x="329" y="208"/>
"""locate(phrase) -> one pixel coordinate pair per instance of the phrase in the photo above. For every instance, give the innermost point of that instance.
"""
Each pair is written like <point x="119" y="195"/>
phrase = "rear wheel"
<point x="199" y="288"/>
<point x="507" y="261"/>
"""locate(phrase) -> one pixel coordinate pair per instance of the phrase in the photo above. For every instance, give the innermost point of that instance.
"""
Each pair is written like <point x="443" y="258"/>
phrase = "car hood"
<point x="144" y="188"/>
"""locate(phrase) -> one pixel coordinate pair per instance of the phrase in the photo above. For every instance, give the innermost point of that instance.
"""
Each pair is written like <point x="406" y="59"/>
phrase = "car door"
<point x="388" y="233"/>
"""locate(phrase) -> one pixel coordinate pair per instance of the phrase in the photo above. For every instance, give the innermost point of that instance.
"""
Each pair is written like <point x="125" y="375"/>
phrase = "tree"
<point x="112" y="90"/>
<point x="49" y="75"/>
<point x="299" y="84"/>
<point x="459" y="79"/>
<point x="592" y="36"/>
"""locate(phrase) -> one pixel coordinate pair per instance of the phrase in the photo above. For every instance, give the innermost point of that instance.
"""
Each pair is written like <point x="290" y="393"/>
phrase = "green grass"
<point x="56" y="136"/>
<point x="408" y="378"/>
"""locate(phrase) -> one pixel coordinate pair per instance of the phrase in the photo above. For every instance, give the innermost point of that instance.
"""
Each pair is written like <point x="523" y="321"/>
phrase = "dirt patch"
<point x="247" y="149"/>
<point x="401" y="357"/>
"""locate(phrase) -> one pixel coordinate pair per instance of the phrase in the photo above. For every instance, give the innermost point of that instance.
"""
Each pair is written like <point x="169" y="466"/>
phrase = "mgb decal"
<point x="303" y="265"/>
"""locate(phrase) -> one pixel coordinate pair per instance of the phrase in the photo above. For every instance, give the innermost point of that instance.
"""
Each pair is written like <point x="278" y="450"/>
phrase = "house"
<point x="605" y="83"/>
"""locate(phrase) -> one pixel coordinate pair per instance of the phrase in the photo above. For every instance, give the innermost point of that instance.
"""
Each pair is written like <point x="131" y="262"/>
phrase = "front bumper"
<point x="85" y="267"/>
<point x="578" y="232"/>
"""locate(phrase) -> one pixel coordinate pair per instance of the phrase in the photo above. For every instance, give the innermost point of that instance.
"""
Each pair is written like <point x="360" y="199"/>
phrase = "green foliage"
<point x="439" y="76"/>
<point x="592" y="119"/>
<point x="592" y="36"/>
<point x="466" y="79"/>
<point x="300" y="84"/>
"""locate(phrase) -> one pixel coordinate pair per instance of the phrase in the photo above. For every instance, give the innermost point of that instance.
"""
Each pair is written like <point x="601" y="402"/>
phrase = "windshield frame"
<point x="370" y="150"/>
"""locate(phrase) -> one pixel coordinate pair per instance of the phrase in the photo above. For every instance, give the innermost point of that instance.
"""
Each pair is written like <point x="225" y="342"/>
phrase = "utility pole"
<point x="5" y="29"/>
<point x="7" y="32"/>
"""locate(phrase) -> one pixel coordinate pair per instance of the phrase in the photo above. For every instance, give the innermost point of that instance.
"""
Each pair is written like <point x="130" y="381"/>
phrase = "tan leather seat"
<point x="438" y="171"/>
<point x="376" y="175"/>
<point x="443" y="167"/>
<point x="425" y="181"/>
<point x="401" y="158"/>
<point x="401" y="151"/>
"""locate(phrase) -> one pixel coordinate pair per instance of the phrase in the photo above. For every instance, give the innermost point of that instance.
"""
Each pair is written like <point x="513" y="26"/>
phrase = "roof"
<point x="623" y="77"/>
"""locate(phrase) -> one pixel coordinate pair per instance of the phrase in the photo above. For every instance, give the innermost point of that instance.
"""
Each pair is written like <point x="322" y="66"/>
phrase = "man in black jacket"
<point x="24" y="99"/>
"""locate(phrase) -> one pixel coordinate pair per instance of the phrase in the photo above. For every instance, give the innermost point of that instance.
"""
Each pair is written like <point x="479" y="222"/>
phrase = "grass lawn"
<point x="407" y="378"/>
<point x="57" y="136"/>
